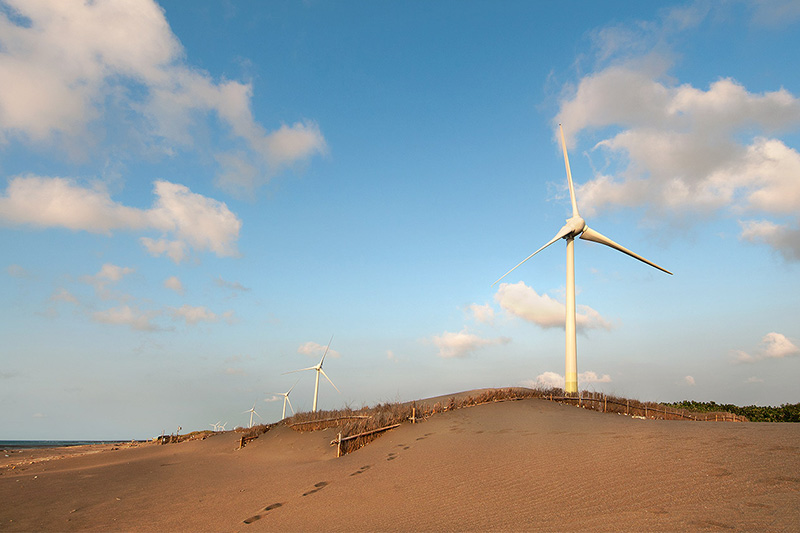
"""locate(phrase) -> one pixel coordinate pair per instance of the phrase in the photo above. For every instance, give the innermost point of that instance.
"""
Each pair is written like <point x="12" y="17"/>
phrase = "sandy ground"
<point x="510" y="466"/>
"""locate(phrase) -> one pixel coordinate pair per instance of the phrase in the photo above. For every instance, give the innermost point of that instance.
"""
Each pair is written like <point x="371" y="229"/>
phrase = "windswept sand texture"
<point x="515" y="465"/>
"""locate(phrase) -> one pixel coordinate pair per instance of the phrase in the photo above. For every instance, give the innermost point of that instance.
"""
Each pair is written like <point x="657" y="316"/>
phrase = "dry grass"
<point x="355" y="422"/>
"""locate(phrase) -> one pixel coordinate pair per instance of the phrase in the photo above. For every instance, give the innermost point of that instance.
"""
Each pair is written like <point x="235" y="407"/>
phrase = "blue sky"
<point x="195" y="197"/>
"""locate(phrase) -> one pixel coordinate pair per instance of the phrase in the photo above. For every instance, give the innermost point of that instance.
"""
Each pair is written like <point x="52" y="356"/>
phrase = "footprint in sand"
<point x="260" y="516"/>
<point x="361" y="470"/>
<point x="317" y="487"/>
<point x="391" y="456"/>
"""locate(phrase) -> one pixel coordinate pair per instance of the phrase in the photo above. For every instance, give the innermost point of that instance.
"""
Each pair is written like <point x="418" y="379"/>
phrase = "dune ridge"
<point x="530" y="465"/>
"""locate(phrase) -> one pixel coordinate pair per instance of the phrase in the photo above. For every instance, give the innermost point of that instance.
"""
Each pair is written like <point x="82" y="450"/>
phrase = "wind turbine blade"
<point x="290" y="404"/>
<point x="301" y="370"/>
<point x="293" y="386"/>
<point x="591" y="235"/>
<point x="563" y="232"/>
<point x="569" y="175"/>
<point x="329" y="381"/>
<point x="326" y="351"/>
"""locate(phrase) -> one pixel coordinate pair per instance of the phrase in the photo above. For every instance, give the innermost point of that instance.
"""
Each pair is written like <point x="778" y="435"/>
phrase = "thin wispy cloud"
<point x="230" y="285"/>
<point x="482" y="313"/>
<point x="16" y="271"/>
<point x="462" y="343"/>
<point x="173" y="283"/>
<point x="130" y="316"/>
<point x="313" y="349"/>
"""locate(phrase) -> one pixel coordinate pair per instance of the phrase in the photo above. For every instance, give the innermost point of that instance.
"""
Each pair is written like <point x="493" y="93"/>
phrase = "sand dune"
<point x="508" y="466"/>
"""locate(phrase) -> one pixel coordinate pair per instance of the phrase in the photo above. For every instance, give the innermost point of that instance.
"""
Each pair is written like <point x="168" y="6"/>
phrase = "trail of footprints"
<point x="322" y="484"/>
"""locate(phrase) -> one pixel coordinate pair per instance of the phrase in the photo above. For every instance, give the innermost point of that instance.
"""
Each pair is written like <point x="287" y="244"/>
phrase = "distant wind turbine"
<point x="215" y="426"/>
<point x="252" y="412"/>
<point x="576" y="227"/>
<point x="286" y="399"/>
<point x="318" y="368"/>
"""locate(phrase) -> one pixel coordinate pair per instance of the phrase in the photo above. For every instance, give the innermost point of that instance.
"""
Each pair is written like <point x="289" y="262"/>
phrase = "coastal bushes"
<point x="754" y="413"/>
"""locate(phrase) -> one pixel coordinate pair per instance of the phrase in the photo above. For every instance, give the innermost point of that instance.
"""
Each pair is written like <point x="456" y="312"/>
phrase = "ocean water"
<point x="27" y="444"/>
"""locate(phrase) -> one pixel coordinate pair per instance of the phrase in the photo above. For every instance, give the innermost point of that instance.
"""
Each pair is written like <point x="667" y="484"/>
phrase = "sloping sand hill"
<point x="508" y="466"/>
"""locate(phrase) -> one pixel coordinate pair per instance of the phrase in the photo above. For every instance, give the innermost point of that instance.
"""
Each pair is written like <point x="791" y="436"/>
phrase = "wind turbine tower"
<point x="286" y="400"/>
<point x="252" y="412"/>
<point x="318" y="369"/>
<point x="576" y="227"/>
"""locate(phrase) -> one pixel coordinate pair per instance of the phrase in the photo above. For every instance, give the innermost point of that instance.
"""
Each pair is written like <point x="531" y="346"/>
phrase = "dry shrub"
<point x="363" y="422"/>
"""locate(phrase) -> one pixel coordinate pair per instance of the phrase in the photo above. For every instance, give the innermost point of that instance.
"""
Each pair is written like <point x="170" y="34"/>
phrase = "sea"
<point x="28" y="444"/>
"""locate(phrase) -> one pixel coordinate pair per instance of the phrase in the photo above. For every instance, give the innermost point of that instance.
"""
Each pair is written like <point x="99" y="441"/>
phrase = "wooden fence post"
<point x="605" y="403"/>
<point x="339" y="446"/>
<point x="627" y="405"/>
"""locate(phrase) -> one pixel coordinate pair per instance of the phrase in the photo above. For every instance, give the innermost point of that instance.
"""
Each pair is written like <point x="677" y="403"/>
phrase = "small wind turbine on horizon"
<point x="576" y="227"/>
<point x="286" y="399"/>
<point x="215" y="426"/>
<point x="318" y="369"/>
<point x="252" y="412"/>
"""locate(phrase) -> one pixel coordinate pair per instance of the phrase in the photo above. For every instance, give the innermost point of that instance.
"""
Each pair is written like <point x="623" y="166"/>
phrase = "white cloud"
<point x="316" y="350"/>
<point x="782" y="237"/>
<point x="109" y="274"/>
<point x="592" y="377"/>
<point x="547" y="380"/>
<point x="553" y="380"/>
<point x="679" y="150"/>
<point x="391" y="356"/>
<point x="63" y="295"/>
<point x="125" y="315"/>
<point x="191" y="219"/>
<point x="689" y="380"/>
<point x="523" y="302"/>
<point x="462" y="343"/>
<point x="754" y="379"/>
<point x="482" y="313"/>
<point x="174" y="284"/>
<point x="73" y="63"/>
<point x="773" y="346"/>
<point x="194" y="314"/>
<point x="232" y="285"/>
<point x="16" y="271"/>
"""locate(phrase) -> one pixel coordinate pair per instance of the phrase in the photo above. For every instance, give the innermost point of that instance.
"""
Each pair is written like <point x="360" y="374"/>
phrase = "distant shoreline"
<point x="37" y="444"/>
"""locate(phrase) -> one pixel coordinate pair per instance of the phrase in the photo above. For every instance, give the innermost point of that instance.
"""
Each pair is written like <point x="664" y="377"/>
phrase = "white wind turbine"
<point x="252" y="412"/>
<point x="576" y="227"/>
<point x="318" y="368"/>
<point x="286" y="399"/>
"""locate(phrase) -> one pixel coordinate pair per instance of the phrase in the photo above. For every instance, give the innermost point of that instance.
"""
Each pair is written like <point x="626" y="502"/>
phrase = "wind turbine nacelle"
<point x="576" y="225"/>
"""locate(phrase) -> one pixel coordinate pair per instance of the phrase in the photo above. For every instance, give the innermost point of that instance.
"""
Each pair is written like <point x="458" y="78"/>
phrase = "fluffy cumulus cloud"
<point x="462" y="343"/>
<point x="773" y="346"/>
<point x="553" y="380"/>
<point x="523" y="302"/>
<point x="689" y="380"/>
<point x="184" y="220"/>
<point x="67" y="65"/>
<point x="677" y="149"/>
<point x="315" y="350"/>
